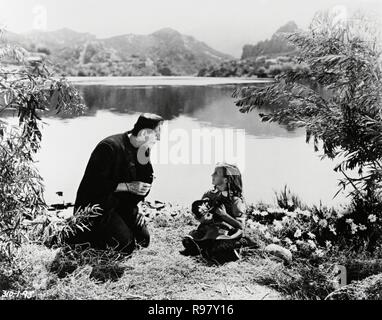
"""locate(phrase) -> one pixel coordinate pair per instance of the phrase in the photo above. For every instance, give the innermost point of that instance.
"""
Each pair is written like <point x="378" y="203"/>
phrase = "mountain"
<point x="266" y="59"/>
<point x="277" y="45"/>
<point x="164" y="52"/>
<point x="59" y="38"/>
<point x="181" y="53"/>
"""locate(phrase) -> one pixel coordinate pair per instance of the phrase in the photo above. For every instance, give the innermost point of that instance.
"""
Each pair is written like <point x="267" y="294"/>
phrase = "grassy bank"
<point x="160" y="272"/>
<point x="157" y="272"/>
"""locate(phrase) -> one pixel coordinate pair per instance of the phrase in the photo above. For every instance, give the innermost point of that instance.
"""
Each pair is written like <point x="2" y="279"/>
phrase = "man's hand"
<point x="139" y="188"/>
<point x="136" y="187"/>
<point x="141" y="221"/>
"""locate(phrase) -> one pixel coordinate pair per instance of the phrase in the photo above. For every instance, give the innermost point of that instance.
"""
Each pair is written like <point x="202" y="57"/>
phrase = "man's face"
<point x="150" y="136"/>
<point x="158" y="131"/>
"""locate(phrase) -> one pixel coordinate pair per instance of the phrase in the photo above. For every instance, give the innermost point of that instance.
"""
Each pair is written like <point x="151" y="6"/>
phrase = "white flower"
<point x="372" y="218"/>
<point x="297" y="234"/>
<point x="277" y="225"/>
<point x="208" y="216"/>
<point x="276" y="240"/>
<point x="272" y="210"/>
<point x="288" y="241"/>
<point x="323" y="223"/>
<point x="362" y="227"/>
<point x="264" y="213"/>
<point x="306" y="213"/>
<point x="267" y="235"/>
<point x="354" y="228"/>
<point x="327" y="214"/>
<point x="319" y="253"/>
<point x="293" y="248"/>
<point x="203" y="209"/>
<point x="332" y="229"/>
<point x="285" y="219"/>
<point x="312" y="245"/>
<point x="315" y="218"/>
<point x="311" y="235"/>
<point x="299" y="242"/>
<point x="290" y="203"/>
<point x="263" y="228"/>
<point x="328" y="244"/>
<point x="350" y="221"/>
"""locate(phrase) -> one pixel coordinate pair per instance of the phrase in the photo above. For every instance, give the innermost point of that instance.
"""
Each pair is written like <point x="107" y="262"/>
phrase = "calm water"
<point x="269" y="155"/>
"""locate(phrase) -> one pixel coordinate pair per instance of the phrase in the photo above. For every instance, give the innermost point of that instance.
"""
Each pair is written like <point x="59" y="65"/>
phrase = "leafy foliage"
<point x="51" y="230"/>
<point x="337" y="98"/>
<point x="27" y="89"/>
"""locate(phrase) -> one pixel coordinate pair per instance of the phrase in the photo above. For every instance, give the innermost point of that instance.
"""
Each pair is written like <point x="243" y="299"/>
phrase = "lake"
<point x="195" y="110"/>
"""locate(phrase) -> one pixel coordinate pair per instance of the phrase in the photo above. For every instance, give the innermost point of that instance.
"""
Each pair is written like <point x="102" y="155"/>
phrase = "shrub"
<point x="28" y="90"/>
<point x="336" y="96"/>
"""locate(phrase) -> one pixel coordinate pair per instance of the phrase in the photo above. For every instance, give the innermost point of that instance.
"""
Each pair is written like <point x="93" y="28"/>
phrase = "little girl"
<point x="221" y="215"/>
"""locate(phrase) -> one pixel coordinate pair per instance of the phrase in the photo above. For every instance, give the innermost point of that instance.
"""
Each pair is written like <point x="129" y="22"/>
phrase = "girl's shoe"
<point x="191" y="247"/>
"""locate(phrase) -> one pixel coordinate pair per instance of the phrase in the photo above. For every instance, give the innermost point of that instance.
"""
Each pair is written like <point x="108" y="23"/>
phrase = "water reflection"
<point x="211" y="105"/>
<point x="274" y="155"/>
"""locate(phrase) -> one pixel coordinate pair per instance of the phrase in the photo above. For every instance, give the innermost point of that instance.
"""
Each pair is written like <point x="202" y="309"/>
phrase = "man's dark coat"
<point x="114" y="160"/>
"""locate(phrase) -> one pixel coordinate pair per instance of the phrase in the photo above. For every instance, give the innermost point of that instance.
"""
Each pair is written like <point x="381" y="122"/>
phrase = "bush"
<point x="28" y="90"/>
<point x="342" y="118"/>
<point x="313" y="232"/>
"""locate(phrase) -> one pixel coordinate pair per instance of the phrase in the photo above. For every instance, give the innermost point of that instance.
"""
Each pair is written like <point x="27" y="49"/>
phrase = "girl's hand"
<point x="222" y="213"/>
<point x="239" y="207"/>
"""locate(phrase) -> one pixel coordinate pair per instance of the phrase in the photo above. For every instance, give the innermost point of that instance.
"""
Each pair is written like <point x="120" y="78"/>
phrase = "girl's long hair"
<point x="234" y="181"/>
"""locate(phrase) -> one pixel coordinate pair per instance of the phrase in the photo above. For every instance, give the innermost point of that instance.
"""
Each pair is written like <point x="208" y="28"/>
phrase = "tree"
<point x="336" y="97"/>
<point x="27" y="89"/>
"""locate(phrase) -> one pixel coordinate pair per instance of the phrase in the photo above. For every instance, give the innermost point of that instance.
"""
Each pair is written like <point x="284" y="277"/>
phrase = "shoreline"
<point x="164" y="81"/>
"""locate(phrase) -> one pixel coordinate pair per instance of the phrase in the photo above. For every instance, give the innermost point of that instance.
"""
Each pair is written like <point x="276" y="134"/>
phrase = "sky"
<point x="225" y="25"/>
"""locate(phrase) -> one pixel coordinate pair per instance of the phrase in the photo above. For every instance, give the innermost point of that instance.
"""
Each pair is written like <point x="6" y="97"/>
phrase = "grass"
<point x="161" y="272"/>
<point x="156" y="272"/>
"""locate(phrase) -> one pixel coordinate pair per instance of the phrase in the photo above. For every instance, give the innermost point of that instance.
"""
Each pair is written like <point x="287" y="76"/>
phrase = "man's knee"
<point x="127" y="248"/>
<point x="142" y="237"/>
<point x="144" y="240"/>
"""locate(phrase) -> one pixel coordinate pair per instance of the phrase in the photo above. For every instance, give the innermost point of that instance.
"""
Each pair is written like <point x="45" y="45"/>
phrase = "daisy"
<point x="297" y="234"/>
<point x="372" y="218"/>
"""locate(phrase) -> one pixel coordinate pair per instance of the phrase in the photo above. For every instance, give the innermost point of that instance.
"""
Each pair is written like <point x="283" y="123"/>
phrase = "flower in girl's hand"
<point x="205" y="212"/>
<point x="203" y="209"/>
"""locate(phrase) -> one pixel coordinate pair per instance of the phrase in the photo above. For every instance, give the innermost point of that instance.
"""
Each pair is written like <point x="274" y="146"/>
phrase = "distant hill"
<point x="277" y="45"/>
<point x="164" y="52"/>
<point x="265" y="59"/>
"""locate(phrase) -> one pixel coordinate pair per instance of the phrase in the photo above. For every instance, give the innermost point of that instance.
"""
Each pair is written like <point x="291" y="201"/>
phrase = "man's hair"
<point x="146" y="121"/>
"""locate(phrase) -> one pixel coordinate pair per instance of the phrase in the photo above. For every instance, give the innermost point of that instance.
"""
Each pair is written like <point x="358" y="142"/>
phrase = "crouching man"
<point x="118" y="176"/>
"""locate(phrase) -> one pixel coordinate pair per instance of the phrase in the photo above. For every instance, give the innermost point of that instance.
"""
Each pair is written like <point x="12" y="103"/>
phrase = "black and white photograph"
<point x="210" y="152"/>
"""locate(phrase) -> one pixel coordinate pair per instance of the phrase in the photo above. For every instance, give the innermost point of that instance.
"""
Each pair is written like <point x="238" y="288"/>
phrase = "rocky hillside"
<point x="265" y="59"/>
<point x="277" y="45"/>
<point x="164" y="52"/>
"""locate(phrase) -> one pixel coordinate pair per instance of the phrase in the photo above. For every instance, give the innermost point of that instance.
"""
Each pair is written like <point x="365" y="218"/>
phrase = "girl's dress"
<point x="216" y="228"/>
